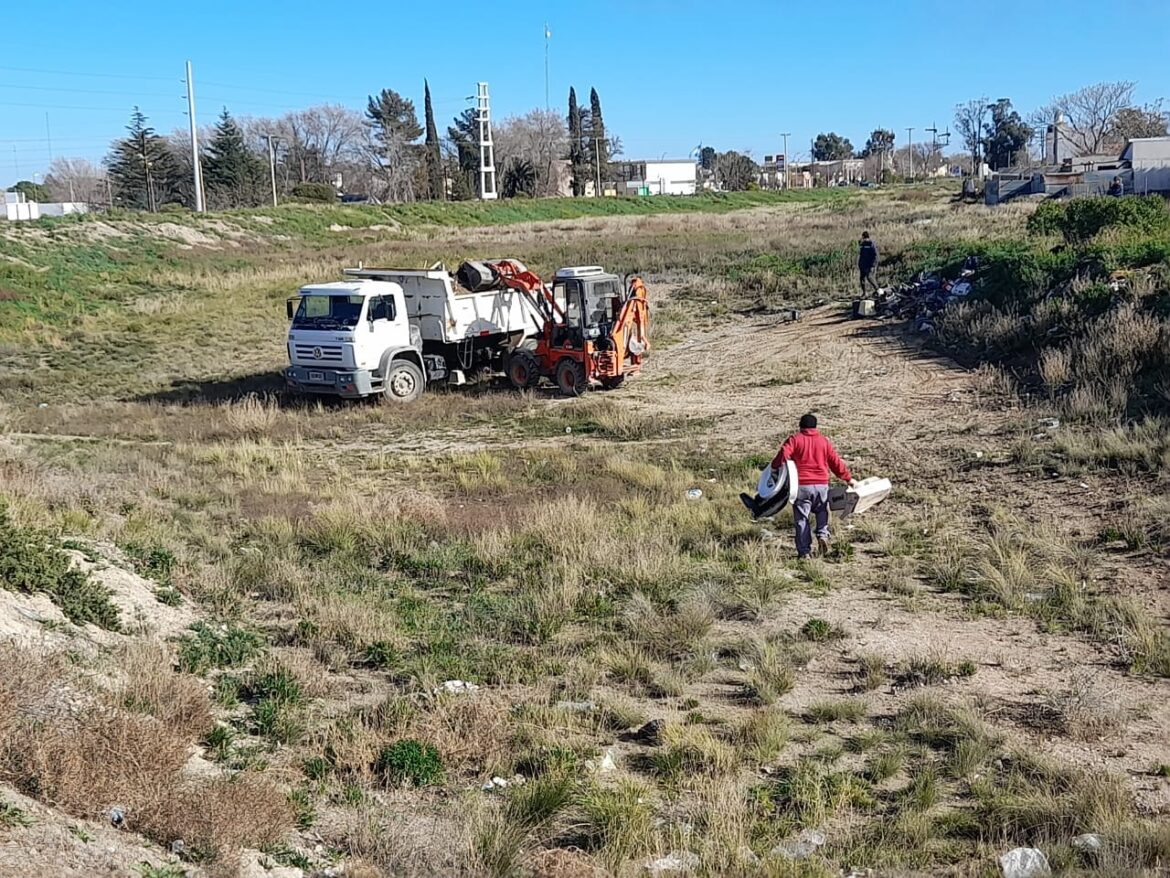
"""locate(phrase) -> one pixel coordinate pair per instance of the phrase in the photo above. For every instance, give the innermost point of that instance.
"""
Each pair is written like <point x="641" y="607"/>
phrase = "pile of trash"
<point x="922" y="298"/>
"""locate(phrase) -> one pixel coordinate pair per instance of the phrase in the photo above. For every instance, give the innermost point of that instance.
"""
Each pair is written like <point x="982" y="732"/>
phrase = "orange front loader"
<point x="595" y="328"/>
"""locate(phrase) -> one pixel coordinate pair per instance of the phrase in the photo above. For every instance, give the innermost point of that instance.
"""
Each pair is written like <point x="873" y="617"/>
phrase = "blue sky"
<point x="670" y="74"/>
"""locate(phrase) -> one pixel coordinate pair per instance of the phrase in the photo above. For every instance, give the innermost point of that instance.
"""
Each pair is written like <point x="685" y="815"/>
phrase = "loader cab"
<point x="590" y="299"/>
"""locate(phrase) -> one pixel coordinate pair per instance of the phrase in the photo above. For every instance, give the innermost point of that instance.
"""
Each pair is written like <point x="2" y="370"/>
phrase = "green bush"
<point x="410" y="761"/>
<point x="30" y="563"/>
<point x="1079" y="220"/>
<point x="315" y="192"/>
<point x="205" y="646"/>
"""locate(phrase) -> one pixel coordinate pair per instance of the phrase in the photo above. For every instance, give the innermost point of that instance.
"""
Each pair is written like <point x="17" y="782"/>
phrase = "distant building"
<point x="1143" y="166"/>
<point x="1149" y="160"/>
<point x="655" y="177"/>
<point x="17" y="207"/>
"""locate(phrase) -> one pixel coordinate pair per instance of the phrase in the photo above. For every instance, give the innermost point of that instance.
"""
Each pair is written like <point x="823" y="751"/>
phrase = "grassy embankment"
<point x="344" y="584"/>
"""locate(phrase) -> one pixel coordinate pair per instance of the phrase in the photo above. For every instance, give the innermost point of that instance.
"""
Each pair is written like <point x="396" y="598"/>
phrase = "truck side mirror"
<point x="288" y="308"/>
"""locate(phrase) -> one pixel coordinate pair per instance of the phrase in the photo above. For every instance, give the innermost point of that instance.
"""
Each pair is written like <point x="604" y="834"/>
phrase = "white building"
<point x="1149" y="157"/>
<point x="17" y="207"/>
<point x="657" y="177"/>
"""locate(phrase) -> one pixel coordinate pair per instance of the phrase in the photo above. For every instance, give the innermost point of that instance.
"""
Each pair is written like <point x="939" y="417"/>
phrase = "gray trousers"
<point x="810" y="500"/>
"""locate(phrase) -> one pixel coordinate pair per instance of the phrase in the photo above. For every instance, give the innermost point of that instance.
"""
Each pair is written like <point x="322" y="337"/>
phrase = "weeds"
<point x="410" y="762"/>
<point x="205" y="647"/>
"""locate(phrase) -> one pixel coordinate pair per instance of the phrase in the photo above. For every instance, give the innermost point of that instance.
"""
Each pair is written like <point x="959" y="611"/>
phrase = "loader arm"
<point x="631" y="330"/>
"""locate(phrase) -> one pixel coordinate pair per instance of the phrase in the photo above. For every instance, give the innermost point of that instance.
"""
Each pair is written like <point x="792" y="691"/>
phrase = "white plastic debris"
<point x="675" y="862"/>
<point x="694" y="494"/>
<point x="1088" y="843"/>
<point x="1025" y="863"/>
<point x="1049" y="423"/>
<point x="456" y="687"/>
<point x="496" y="783"/>
<point x="603" y="765"/>
<point x="577" y="706"/>
<point x="802" y="847"/>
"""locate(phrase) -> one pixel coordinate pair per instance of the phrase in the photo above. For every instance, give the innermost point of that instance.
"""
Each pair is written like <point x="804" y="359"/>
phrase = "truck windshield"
<point x="327" y="312"/>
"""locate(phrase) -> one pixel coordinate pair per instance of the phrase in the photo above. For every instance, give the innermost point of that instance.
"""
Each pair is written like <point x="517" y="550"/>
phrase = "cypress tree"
<point x="598" y="145"/>
<point x="578" y="165"/>
<point x="433" y="159"/>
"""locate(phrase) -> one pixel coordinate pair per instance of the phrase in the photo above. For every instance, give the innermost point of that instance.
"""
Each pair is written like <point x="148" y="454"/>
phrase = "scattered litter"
<point x="496" y="783"/>
<point x="577" y="706"/>
<point x="694" y="493"/>
<point x="978" y="455"/>
<point x="1024" y="863"/>
<point x="568" y="429"/>
<point x="178" y="847"/>
<point x="921" y="299"/>
<point x="604" y="766"/>
<point x="802" y="847"/>
<point x="1049" y="423"/>
<point x="117" y="815"/>
<point x="456" y="687"/>
<point x="1088" y="843"/>
<point x="1084" y="485"/>
<point x="674" y="862"/>
<point x="43" y="405"/>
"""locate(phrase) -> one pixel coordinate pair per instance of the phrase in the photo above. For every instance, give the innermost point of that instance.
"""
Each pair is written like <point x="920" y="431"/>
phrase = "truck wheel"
<point x="571" y="378"/>
<point x="403" y="382"/>
<point x="523" y="369"/>
<point x="612" y="383"/>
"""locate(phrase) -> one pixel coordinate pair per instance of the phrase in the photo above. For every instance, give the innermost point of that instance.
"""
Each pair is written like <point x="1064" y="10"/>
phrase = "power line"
<point x="83" y="91"/>
<point x="87" y="74"/>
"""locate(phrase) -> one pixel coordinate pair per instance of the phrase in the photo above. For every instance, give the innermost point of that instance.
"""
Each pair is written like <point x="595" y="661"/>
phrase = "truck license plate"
<point x="316" y="376"/>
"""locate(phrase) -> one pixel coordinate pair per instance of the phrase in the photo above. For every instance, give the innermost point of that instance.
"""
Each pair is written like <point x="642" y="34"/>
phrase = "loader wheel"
<point x="571" y="377"/>
<point x="523" y="369"/>
<point x="612" y="383"/>
<point x="403" y="382"/>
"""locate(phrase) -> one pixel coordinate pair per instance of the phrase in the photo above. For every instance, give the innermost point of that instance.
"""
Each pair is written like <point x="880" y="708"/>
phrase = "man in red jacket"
<point x="814" y="456"/>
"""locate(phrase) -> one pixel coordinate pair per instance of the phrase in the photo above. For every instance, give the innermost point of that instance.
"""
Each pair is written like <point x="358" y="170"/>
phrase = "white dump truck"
<point x="392" y="331"/>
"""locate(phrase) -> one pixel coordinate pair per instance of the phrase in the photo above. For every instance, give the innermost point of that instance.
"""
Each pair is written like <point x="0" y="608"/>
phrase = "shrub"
<point x="1079" y="220"/>
<point x="315" y="192"/>
<point x="205" y="647"/>
<point x="29" y="563"/>
<point x="410" y="761"/>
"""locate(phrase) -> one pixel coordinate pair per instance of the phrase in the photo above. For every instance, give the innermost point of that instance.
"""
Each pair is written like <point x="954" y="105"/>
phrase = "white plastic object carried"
<point x="865" y="494"/>
<point x="767" y="487"/>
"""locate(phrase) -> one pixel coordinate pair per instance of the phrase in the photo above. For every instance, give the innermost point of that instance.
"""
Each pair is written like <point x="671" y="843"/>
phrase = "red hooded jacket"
<point x="814" y="455"/>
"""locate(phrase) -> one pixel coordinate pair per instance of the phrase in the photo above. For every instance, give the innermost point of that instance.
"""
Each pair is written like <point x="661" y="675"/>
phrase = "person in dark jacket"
<point x="867" y="257"/>
<point x="1116" y="188"/>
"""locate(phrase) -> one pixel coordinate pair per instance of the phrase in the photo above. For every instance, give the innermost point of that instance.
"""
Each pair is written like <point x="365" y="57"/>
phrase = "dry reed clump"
<point x="71" y="751"/>
<point x="179" y="701"/>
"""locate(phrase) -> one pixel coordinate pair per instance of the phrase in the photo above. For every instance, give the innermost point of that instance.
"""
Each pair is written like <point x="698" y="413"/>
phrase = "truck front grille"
<point x="321" y="353"/>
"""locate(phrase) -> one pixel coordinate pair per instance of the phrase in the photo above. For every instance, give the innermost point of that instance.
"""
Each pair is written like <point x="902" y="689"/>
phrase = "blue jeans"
<point x="810" y="500"/>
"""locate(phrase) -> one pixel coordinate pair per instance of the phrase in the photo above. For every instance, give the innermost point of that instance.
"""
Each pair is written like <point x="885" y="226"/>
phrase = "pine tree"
<point x="232" y="173"/>
<point x="433" y="159"/>
<point x="396" y="128"/>
<point x="464" y="136"/>
<point x="578" y="161"/>
<point x="598" y="143"/>
<point x="142" y="169"/>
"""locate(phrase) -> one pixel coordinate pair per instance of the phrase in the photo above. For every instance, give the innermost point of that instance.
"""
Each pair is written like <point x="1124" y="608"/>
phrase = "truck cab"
<point x="353" y="339"/>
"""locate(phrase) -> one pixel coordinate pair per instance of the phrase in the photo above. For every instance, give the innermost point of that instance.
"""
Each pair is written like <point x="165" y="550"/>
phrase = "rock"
<point x="800" y="848"/>
<point x="1024" y="863"/>
<point x="457" y="687"/>
<point x="650" y="734"/>
<point x="1088" y="843"/>
<point x="674" y="863"/>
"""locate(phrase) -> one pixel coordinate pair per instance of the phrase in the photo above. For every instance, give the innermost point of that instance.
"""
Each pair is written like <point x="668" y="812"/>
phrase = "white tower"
<point x="487" y="153"/>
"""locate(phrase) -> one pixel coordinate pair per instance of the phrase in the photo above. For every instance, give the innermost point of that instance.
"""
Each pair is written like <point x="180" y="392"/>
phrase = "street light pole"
<point x="785" y="135"/>
<point x="272" y="163"/>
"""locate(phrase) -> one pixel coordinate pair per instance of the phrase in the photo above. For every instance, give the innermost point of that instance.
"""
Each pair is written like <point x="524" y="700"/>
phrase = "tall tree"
<point x="463" y="133"/>
<point x="233" y="175"/>
<point x="76" y="180"/>
<point x="538" y="139"/>
<point x="1132" y="122"/>
<point x="578" y="161"/>
<point x="707" y="157"/>
<point x="1005" y="136"/>
<point x="880" y="142"/>
<point x="38" y="192"/>
<point x="142" y="168"/>
<point x="599" y="150"/>
<point x="969" y="120"/>
<point x="831" y="147"/>
<point x="395" y="127"/>
<point x="735" y="171"/>
<point x="434" y="163"/>
<point x="1089" y="114"/>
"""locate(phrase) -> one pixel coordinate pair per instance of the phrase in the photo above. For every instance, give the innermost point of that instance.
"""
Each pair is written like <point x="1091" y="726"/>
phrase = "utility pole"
<point x="272" y="163"/>
<point x="785" y="135"/>
<point x="910" y="150"/>
<point x="487" y="156"/>
<point x="547" y="34"/>
<point x="933" y="142"/>
<point x="195" y="163"/>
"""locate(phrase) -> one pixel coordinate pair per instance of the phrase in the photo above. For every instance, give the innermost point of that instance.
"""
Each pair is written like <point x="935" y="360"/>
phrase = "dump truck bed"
<point x="445" y="312"/>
